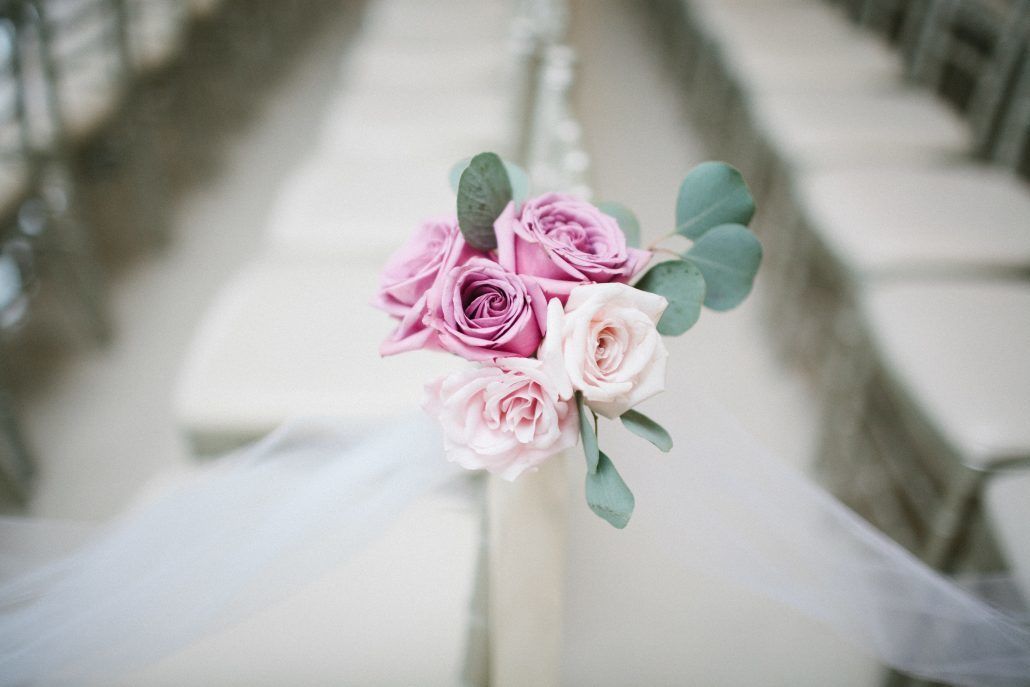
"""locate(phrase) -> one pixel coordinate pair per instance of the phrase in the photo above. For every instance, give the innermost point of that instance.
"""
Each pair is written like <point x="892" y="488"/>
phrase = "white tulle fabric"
<point x="248" y="531"/>
<point x="79" y="607"/>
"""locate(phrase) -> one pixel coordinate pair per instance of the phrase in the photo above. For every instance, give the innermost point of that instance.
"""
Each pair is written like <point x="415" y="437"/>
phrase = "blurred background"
<point x="196" y="196"/>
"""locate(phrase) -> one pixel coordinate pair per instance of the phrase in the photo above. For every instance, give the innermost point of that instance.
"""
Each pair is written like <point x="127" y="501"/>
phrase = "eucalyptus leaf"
<point x="683" y="285"/>
<point x="516" y="176"/>
<point x="728" y="257"/>
<point x="713" y="193"/>
<point x="645" y="427"/>
<point x="588" y="431"/>
<point x="627" y="221"/>
<point x="483" y="192"/>
<point x="608" y="496"/>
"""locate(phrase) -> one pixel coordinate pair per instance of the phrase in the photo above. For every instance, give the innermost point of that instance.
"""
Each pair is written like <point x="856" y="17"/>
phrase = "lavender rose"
<point x="480" y="311"/>
<point x="475" y="309"/>
<point x="506" y="417"/>
<point x="562" y="242"/>
<point x="412" y="269"/>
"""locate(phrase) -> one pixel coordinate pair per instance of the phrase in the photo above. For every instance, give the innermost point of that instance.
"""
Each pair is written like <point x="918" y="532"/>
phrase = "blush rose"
<point x="506" y="417"/>
<point x="605" y="343"/>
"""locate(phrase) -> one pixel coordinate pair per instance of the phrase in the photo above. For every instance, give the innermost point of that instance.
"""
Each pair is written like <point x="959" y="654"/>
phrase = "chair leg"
<point x="960" y="502"/>
<point x="78" y="270"/>
<point x="19" y="467"/>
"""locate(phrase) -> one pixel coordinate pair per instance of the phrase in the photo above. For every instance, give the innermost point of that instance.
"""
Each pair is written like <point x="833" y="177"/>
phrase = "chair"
<point x="292" y="338"/>
<point x="84" y="65"/>
<point x="382" y="120"/>
<point x="155" y="32"/>
<point x="817" y="201"/>
<point x="16" y="462"/>
<point x="1007" y="502"/>
<point x="347" y="205"/>
<point x="85" y="105"/>
<point x="942" y="397"/>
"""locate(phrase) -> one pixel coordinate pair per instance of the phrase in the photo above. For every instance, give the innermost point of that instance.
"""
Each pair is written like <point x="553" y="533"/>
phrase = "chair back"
<point x="84" y="65"/>
<point x="1010" y="147"/>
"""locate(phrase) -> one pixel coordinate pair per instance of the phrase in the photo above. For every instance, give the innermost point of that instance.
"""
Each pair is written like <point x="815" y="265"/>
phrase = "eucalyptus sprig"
<point x="713" y="209"/>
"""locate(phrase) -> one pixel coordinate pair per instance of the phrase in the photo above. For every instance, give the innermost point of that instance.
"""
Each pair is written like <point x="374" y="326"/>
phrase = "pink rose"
<point x="476" y="309"/>
<point x="481" y="311"/>
<point x="506" y="417"/>
<point x="562" y="242"/>
<point x="605" y="343"/>
<point x="412" y="269"/>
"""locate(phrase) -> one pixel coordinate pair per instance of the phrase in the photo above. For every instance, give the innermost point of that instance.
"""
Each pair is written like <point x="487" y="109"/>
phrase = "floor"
<point x="104" y="428"/>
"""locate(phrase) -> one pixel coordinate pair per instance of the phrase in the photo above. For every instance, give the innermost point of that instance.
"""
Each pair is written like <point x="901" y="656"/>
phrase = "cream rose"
<point x="605" y="343"/>
<point x="506" y="417"/>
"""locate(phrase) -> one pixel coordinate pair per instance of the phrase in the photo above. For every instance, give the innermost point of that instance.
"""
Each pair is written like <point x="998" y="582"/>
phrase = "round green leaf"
<point x="516" y="176"/>
<point x="683" y="285"/>
<point x="627" y="221"/>
<point x="483" y="193"/>
<point x="608" y="496"/>
<point x="712" y="193"/>
<point x="645" y="427"/>
<point x="728" y="257"/>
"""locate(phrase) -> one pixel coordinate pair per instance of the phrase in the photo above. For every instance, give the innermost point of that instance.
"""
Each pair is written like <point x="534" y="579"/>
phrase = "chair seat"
<point x="1007" y="501"/>
<point x="426" y="22"/>
<point x="958" y="350"/>
<point x="467" y="125"/>
<point x="455" y="69"/>
<point x="910" y="221"/>
<point x="830" y="130"/>
<point x="799" y="47"/>
<point x="349" y="205"/>
<point x="156" y="33"/>
<point x="775" y="23"/>
<point x="293" y="338"/>
<point x="795" y="67"/>
<point x="344" y="628"/>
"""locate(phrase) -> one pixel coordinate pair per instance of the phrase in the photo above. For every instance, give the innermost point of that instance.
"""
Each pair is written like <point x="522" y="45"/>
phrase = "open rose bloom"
<point x="506" y="417"/>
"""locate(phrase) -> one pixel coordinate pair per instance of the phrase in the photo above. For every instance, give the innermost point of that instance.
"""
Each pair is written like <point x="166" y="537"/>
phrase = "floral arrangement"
<point x="536" y="292"/>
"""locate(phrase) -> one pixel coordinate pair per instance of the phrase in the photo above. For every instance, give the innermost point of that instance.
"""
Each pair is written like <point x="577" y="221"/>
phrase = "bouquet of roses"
<point x="536" y="292"/>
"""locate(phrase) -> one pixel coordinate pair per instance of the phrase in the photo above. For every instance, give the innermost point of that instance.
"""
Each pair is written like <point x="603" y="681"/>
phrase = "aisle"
<point x="641" y="146"/>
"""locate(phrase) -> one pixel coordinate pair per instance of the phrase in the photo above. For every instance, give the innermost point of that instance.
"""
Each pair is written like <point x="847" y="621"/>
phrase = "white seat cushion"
<point x="359" y="206"/>
<point x="156" y="32"/>
<point x="296" y="338"/>
<point x="412" y="586"/>
<point x="959" y="350"/>
<point x="833" y="130"/>
<point x="775" y="23"/>
<point x="454" y="69"/>
<point x="800" y="47"/>
<point x="386" y="119"/>
<point x="1008" y="507"/>
<point x="907" y="221"/>
<point x="426" y="22"/>
<point x="795" y="67"/>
